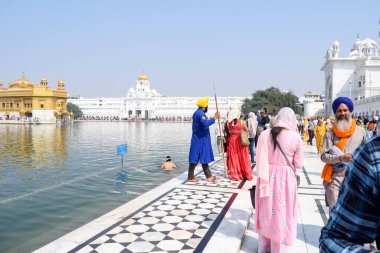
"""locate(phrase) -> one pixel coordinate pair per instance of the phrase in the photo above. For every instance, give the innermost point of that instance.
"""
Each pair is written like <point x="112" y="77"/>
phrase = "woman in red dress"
<point x="238" y="162"/>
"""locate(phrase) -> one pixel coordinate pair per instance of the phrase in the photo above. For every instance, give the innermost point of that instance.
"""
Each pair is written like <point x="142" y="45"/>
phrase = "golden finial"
<point x="143" y="76"/>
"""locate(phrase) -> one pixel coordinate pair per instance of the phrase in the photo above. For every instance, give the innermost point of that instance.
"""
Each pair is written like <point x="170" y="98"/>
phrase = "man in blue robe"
<point x="200" y="149"/>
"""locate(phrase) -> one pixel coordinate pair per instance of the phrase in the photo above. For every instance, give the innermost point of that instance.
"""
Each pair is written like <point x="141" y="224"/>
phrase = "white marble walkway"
<point x="195" y="217"/>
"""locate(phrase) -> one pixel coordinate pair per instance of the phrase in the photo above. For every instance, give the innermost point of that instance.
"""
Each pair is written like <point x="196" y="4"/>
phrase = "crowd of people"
<point x="350" y="149"/>
<point x="20" y="119"/>
<point x="279" y="154"/>
<point x="132" y="118"/>
<point x="317" y="127"/>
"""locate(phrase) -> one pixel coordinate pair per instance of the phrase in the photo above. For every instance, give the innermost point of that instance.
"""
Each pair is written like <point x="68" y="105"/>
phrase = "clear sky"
<point x="100" y="47"/>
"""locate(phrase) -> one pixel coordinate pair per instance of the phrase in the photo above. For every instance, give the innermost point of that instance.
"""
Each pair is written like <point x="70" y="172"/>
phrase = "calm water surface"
<point x="55" y="179"/>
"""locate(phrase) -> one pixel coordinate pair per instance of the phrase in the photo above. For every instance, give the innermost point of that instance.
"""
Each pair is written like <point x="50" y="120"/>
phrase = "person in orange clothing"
<point x="344" y="137"/>
<point x="369" y="130"/>
<point x="319" y="132"/>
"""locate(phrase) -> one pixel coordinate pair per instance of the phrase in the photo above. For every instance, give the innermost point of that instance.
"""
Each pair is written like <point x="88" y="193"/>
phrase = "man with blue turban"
<point x="343" y="100"/>
<point x="339" y="144"/>
<point x="200" y="149"/>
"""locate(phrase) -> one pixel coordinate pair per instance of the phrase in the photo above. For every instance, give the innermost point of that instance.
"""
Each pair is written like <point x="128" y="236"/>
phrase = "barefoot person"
<point x="168" y="165"/>
<point x="200" y="149"/>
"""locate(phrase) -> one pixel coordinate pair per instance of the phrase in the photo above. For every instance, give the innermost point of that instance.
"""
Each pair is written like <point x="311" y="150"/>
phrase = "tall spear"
<point x="221" y="135"/>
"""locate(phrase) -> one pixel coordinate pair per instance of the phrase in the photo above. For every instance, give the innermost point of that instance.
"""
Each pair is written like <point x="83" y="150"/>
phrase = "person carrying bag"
<point x="298" y="179"/>
<point x="244" y="134"/>
<point x="276" y="188"/>
<point x="237" y="152"/>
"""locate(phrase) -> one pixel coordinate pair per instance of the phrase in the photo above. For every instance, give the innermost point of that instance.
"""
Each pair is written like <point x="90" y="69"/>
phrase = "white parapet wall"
<point x="312" y="108"/>
<point x="367" y="107"/>
<point x="44" y="116"/>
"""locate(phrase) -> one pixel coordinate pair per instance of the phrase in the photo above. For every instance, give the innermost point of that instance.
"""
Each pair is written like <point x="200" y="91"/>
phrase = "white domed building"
<point x="142" y="102"/>
<point x="356" y="76"/>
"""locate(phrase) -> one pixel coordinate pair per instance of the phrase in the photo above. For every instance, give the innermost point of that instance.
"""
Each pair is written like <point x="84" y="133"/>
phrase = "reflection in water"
<point x="27" y="157"/>
<point x="122" y="176"/>
<point x="32" y="147"/>
<point x="121" y="179"/>
<point x="55" y="179"/>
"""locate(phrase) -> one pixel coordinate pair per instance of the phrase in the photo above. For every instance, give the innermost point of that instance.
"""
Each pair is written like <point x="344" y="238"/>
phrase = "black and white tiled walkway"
<point x="180" y="220"/>
<point x="196" y="217"/>
<point x="177" y="222"/>
<point x="222" y="182"/>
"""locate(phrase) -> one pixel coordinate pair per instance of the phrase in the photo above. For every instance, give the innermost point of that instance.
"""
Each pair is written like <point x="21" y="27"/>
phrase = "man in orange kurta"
<point x="346" y="136"/>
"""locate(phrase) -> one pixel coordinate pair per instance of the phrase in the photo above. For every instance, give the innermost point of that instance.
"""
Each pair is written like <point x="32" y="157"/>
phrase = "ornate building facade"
<point x="356" y="76"/>
<point x="25" y="100"/>
<point x="142" y="102"/>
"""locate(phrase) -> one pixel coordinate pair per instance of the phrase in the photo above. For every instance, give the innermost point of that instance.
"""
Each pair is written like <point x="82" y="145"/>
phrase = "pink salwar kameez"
<point x="276" y="188"/>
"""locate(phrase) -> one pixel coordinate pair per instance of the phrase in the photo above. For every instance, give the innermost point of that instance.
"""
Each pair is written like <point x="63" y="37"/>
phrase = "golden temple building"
<point x="26" y="101"/>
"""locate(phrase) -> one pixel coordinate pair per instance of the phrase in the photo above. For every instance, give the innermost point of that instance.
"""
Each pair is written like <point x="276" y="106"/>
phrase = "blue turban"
<point x="342" y="100"/>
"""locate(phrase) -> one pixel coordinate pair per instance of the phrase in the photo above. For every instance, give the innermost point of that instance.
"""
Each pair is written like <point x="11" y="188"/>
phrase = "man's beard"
<point x="206" y="109"/>
<point x="344" y="124"/>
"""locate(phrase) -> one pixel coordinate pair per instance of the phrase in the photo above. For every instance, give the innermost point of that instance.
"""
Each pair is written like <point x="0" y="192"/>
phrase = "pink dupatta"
<point x="286" y="119"/>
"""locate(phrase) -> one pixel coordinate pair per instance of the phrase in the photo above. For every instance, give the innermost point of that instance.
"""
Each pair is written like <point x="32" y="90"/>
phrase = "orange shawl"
<point x="344" y="135"/>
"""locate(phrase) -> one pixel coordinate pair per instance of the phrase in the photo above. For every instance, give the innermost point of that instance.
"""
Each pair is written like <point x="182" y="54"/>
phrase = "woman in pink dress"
<point x="276" y="188"/>
<point x="238" y="161"/>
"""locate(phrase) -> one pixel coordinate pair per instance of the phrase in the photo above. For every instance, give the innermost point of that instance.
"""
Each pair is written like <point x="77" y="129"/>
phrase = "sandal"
<point x="212" y="178"/>
<point x="194" y="180"/>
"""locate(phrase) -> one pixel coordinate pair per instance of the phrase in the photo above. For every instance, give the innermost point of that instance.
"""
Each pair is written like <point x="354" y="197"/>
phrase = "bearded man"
<point x="201" y="149"/>
<point x="338" y="146"/>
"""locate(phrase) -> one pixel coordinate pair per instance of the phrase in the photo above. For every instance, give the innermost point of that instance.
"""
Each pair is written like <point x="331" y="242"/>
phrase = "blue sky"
<point x="100" y="47"/>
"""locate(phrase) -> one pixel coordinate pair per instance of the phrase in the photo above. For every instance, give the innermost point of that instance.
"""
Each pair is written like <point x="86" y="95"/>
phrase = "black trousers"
<point x="311" y="136"/>
<point x="192" y="166"/>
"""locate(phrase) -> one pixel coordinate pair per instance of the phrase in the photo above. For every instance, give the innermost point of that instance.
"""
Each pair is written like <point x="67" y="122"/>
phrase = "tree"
<point x="272" y="99"/>
<point x="74" y="109"/>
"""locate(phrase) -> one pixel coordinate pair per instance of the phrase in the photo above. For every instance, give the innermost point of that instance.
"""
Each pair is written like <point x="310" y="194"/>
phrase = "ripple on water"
<point x="55" y="179"/>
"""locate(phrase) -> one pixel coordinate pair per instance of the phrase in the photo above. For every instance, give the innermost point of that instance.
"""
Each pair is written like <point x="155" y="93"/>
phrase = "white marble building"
<point x="313" y="104"/>
<point x="142" y="102"/>
<point x="356" y="76"/>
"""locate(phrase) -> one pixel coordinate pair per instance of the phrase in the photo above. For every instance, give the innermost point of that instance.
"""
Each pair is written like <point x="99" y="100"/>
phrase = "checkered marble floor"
<point x="176" y="222"/>
<point x="182" y="220"/>
<point x="174" y="217"/>
<point x="217" y="169"/>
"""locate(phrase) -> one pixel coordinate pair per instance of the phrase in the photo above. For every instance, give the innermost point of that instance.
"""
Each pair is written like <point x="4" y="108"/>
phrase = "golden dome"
<point x="142" y="76"/>
<point x="21" y="83"/>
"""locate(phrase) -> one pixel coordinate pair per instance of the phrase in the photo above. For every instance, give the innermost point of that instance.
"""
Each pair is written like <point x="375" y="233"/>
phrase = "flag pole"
<point x="221" y="135"/>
